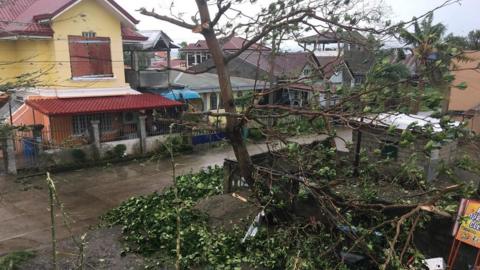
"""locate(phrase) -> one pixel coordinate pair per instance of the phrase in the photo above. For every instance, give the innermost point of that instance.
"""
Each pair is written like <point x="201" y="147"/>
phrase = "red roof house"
<point x="198" y="52"/>
<point x="31" y="17"/>
<point x="80" y="44"/>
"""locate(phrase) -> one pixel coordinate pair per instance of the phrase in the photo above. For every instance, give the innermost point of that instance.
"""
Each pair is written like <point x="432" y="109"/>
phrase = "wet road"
<point x="89" y="193"/>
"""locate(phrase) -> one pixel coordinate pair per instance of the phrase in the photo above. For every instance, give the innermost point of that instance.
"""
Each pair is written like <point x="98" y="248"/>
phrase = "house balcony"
<point x="149" y="78"/>
<point x="328" y="53"/>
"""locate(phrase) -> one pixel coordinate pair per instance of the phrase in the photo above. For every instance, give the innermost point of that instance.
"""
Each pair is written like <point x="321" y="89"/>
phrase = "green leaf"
<point x="461" y="86"/>
<point x="429" y="145"/>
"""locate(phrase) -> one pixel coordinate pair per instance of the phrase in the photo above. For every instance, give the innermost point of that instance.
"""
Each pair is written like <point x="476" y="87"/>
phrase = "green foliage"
<point x="79" y="156"/>
<point x="117" y="152"/>
<point x="461" y="86"/>
<point x="431" y="99"/>
<point x="14" y="260"/>
<point x="244" y="100"/>
<point x="411" y="175"/>
<point x="469" y="42"/>
<point x="302" y="125"/>
<point x="474" y="40"/>
<point x="149" y="222"/>
<point x="182" y="55"/>
<point x="175" y="144"/>
<point x="149" y="228"/>
<point x="255" y="134"/>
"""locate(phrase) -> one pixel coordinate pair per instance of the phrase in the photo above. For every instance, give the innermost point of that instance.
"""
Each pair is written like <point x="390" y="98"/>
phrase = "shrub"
<point x="149" y="228"/>
<point x="13" y="260"/>
<point x="175" y="144"/>
<point x="255" y="134"/>
<point x="117" y="152"/>
<point x="79" y="156"/>
<point x="149" y="222"/>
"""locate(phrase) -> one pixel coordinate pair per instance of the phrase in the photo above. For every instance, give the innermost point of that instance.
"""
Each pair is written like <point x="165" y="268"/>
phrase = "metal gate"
<point x="27" y="149"/>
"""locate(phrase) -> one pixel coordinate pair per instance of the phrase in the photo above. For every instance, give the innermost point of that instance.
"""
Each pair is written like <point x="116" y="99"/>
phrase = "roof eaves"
<point x="112" y="3"/>
<point x="26" y="34"/>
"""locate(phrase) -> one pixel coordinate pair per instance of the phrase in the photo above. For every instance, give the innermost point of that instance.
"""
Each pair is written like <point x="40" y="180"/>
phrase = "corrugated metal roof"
<point x="403" y="121"/>
<point x="208" y="82"/>
<point x="156" y="40"/>
<point x="75" y="106"/>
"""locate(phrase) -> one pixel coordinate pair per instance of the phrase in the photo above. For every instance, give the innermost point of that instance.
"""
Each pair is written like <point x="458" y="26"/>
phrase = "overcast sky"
<point x="459" y="18"/>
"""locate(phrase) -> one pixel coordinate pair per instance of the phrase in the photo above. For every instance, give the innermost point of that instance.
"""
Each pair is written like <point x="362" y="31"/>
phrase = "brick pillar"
<point x="142" y="133"/>
<point x="96" y="138"/>
<point x="9" y="156"/>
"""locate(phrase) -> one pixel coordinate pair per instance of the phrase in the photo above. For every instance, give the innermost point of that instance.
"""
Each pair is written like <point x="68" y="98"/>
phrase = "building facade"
<point x="60" y="53"/>
<point x="198" y="52"/>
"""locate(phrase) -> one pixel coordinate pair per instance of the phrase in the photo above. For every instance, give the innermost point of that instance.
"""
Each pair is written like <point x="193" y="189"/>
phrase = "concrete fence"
<point x="25" y="150"/>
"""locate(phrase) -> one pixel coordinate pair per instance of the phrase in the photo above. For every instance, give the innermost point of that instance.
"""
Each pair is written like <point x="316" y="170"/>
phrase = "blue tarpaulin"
<point x="208" y="138"/>
<point x="181" y="94"/>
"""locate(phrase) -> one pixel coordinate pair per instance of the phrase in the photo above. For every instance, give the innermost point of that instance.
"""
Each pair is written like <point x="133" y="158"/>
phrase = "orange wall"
<point x="26" y="116"/>
<point x="464" y="100"/>
<point x="61" y="130"/>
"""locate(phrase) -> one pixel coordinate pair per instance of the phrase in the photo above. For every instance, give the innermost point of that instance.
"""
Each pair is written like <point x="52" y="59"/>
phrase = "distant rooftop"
<point x="157" y="40"/>
<point x="228" y="44"/>
<point x="285" y="64"/>
<point x="208" y="82"/>
<point x="333" y="37"/>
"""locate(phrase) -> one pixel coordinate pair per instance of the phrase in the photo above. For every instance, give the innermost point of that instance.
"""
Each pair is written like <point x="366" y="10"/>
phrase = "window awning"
<point x="89" y="105"/>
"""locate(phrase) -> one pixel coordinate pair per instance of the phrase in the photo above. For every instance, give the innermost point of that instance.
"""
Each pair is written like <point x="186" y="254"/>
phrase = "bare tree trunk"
<point x="234" y="125"/>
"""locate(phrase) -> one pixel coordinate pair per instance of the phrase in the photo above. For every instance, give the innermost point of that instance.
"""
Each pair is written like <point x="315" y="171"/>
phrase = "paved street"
<point x="89" y="193"/>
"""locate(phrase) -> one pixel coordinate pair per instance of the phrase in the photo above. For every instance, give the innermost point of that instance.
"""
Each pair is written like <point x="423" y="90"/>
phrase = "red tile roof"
<point x="230" y="44"/>
<point x="75" y="106"/>
<point x="21" y="17"/>
<point x="130" y="34"/>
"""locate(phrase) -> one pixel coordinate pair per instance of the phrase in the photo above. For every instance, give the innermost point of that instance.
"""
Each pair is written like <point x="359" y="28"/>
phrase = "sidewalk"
<point x="89" y="193"/>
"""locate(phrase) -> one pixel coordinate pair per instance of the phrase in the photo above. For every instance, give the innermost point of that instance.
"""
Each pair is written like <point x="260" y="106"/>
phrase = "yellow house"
<point x="64" y="59"/>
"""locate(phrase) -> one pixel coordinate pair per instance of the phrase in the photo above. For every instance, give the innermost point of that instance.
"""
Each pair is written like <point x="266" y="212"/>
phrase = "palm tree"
<point x="433" y="57"/>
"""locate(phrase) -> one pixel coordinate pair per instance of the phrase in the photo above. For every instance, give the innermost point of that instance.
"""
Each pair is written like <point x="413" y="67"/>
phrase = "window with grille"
<point x="89" y="34"/>
<point x="213" y="101"/>
<point x="130" y="117"/>
<point x="389" y="150"/>
<point x="191" y="59"/>
<point x="81" y="123"/>
<point x="90" y="56"/>
<point x="307" y="71"/>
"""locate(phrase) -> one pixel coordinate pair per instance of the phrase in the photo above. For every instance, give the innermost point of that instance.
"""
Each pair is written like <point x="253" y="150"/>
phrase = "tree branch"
<point x="171" y="20"/>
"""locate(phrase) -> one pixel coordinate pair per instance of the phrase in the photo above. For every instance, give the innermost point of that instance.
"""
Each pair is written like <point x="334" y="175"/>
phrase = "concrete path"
<point x="90" y="193"/>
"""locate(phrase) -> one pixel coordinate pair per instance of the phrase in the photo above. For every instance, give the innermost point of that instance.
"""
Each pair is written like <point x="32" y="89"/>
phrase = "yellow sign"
<point x="469" y="230"/>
